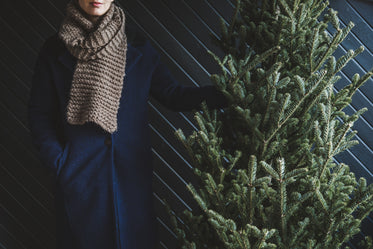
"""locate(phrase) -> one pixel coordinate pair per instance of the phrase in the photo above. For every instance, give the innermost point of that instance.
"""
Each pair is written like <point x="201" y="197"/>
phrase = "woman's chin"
<point x="96" y="13"/>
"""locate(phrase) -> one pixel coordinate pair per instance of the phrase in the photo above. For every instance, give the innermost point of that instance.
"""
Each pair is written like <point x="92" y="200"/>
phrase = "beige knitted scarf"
<point x="100" y="49"/>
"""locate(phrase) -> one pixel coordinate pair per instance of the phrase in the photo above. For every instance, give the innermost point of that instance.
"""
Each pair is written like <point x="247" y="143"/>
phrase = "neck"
<point x="93" y="19"/>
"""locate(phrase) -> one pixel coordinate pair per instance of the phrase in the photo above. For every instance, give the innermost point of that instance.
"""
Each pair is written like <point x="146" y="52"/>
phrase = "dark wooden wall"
<point x="179" y="30"/>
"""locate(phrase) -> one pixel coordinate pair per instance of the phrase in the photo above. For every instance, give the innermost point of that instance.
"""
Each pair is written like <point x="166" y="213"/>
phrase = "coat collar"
<point x="132" y="57"/>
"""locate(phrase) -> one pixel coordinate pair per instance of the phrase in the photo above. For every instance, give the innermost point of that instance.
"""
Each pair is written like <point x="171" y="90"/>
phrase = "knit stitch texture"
<point x="100" y="49"/>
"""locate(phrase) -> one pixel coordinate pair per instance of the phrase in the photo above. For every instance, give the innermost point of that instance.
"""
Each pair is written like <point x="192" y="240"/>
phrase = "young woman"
<point x="88" y="119"/>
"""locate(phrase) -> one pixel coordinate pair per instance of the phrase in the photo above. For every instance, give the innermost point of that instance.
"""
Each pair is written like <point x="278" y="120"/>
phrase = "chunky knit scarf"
<point x="100" y="49"/>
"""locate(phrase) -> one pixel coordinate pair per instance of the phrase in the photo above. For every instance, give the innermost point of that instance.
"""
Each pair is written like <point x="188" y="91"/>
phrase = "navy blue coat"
<point x="103" y="181"/>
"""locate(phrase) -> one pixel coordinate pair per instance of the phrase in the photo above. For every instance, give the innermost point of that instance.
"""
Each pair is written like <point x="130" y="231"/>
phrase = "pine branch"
<point x="332" y="153"/>
<point x="294" y="108"/>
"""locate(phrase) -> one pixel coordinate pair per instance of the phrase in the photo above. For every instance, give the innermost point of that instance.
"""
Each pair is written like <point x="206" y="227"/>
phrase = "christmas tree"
<point x="264" y="164"/>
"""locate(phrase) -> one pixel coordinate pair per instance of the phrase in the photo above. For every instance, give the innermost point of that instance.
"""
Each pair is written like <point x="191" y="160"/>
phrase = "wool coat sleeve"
<point x="174" y="96"/>
<point x="43" y="112"/>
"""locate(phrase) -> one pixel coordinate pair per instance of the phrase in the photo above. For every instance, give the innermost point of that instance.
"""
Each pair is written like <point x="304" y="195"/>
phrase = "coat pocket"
<point x="62" y="158"/>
